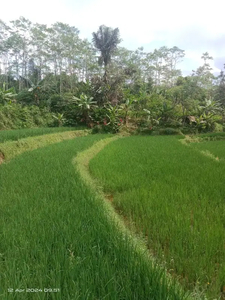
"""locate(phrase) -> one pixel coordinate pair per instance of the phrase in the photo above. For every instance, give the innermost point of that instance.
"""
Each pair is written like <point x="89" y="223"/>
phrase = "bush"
<point x="55" y="103"/>
<point x="188" y="130"/>
<point x="173" y="124"/>
<point x="144" y="131"/>
<point x="169" y="131"/>
<point x="217" y="127"/>
<point x="97" y="129"/>
<point x="25" y="97"/>
<point x="15" y="116"/>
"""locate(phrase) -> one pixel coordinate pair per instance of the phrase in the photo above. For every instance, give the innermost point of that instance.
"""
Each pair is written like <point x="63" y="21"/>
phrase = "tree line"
<point x="32" y="51"/>
<point x="47" y="66"/>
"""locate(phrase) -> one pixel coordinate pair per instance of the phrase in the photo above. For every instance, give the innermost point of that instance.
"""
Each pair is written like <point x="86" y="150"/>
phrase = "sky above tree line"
<point x="195" y="26"/>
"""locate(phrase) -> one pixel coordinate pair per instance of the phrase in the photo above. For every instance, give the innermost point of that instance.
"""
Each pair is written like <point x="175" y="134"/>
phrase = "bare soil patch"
<point x="1" y="157"/>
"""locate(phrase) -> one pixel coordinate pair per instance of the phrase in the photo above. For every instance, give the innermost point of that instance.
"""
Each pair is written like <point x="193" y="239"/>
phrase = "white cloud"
<point x="141" y="19"/>
<point x="190" y="25"/>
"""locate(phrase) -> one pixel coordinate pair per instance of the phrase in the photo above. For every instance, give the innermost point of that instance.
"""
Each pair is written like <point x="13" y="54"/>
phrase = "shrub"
<point x="144" y="131"/>
<point x="55" y="103"/>
<point x="16" y="116"/>
<point x="96" y="129"/>
<point x="25" y="97"/>
<point x="217" y="127"/>
<point x="169" y="131"/>
<point x="188" y="130"/>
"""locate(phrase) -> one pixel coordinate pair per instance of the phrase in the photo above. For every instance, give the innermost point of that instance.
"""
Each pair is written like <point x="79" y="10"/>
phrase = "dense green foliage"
<point x="173" y="195"/>
<point x="49" y="67"/>
<point x="13" y="116"/>
<point x="56" y="234"/>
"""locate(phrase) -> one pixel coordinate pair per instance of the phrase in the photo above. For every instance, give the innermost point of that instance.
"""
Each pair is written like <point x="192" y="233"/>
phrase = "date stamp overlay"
<point x="33" y="290"/>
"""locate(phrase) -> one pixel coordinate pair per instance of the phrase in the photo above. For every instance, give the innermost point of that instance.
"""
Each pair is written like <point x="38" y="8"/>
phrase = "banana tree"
<point x="113" y="120"/>
<point x="126" y="107"/>
<point x="59" y="119"/>
<point x="209" y="113"/>
<point x="210" y="106"/>
<point x="7" y="96"/>
<point x="151" y="120"/>
<point x="166" y="111"/>
<point x="85" y="106"/>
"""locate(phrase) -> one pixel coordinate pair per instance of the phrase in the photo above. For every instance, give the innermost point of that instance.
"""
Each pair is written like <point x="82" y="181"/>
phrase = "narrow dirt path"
<point x="1" y="157"/>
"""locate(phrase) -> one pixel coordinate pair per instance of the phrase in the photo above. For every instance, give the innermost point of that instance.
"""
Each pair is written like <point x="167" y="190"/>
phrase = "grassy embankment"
<point x="174" y="197"/>
<point x="10" y="149"/>
<point x="209" y="144"/>
<point x="14" y="135"/>
<point x="55" y="233"/>
<point x="215" y="149"/>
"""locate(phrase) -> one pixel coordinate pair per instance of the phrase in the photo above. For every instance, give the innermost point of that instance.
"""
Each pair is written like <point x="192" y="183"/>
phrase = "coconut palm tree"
<point x="106" y="40"/>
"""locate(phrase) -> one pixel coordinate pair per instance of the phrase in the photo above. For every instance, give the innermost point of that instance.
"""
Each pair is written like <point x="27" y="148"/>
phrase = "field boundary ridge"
<point x="11" y="149"/>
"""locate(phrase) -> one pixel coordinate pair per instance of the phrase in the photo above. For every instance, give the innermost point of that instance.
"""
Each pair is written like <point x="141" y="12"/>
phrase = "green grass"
<point x="213" y="135"/>
<point x="209" y="144"/>
<point x="55" y="233"/>
<point x="14" y="135"/>
<point x="174" y="197"/>
<point x="10" y="149"/>
<point x="216" y="148"/>
<point x="210" y="136"/>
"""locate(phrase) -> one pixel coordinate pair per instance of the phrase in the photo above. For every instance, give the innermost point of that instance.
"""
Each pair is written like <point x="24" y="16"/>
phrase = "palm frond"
<point x="106" y="40"/>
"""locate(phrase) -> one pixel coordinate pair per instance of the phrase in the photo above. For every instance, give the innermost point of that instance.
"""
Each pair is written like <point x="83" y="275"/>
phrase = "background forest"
<point x="49" y="76"/>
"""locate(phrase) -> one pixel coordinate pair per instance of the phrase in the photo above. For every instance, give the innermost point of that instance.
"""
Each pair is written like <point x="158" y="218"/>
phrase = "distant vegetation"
<point x="49" y="76"/>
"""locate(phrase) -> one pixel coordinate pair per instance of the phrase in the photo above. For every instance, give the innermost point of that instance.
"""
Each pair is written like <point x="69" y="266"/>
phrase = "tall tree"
<point x="19" y="42"/>
<point x="204" y="75"/>
<point x="220" y="89"/>
<point x="106" y="40"/>
<point x="174" y="56"/>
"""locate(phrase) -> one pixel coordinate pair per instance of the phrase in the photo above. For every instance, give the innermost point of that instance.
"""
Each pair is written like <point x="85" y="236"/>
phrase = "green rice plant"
<point x="173" y="196"/>
<point x="211" y="145"/>
<point x="11" y="149"/>
<point x="56" y="234"/>
<point x="215" y="148"/>
<point x="212" y="136"/>
<point x="14" y="135"/>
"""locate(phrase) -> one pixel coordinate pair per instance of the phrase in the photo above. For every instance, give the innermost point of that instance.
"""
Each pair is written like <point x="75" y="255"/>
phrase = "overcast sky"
<point x="195" y="26"/>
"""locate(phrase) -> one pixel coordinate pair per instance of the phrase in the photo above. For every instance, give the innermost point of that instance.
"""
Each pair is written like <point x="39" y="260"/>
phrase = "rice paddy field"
<point x="215" y="149"/>
<point x="172" y="194"/>
<point x="14" y="135"/>
<point x="58" y="241"/>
